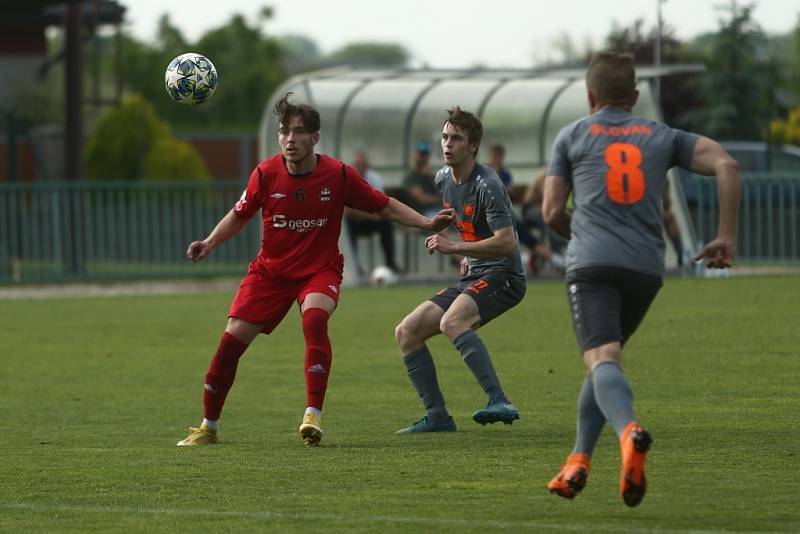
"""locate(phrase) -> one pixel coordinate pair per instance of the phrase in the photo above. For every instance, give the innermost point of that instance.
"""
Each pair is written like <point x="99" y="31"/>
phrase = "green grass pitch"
<point x="95" y="392"/>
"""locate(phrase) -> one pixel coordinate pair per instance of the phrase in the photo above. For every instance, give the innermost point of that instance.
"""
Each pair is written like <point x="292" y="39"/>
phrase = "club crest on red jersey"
<point x="325" y="194"/>
<point x="299" y="195"/>
<point x="241" y="205"/>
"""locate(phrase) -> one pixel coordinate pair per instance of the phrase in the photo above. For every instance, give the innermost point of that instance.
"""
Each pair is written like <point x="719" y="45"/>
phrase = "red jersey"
<point x="302" y="214"/>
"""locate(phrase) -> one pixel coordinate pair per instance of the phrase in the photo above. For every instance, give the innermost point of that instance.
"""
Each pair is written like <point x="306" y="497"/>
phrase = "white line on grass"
<point x="355" y="519"/>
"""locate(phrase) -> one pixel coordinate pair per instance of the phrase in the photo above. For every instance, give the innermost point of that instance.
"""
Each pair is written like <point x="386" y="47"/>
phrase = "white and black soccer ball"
<point x="190" y="79"/>
<point x="383" y="276"/>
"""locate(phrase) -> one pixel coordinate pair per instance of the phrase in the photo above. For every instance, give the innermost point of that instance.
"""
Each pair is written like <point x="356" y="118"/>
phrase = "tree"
<point x="787" y="130"/>
<point x="791" y="64"/>
<point x="250" y="67"/>
<point x="172" y="159"/>
<point x="738" y="89"/>
<point x="679" y="95"/>
<point x="370" y="54"/>
<point x="786" y="51"/>
<point x="299" y="53"/>
<point x="568" y="52"/>
<point x="169" y="37"/>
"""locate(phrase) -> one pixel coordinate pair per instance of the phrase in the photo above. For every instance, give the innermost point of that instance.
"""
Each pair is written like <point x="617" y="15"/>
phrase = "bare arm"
<point x="554" y="205"/>
<point x="710" y="158"/>
<point x="502" y="243"/>
<point x="400" y="213"/>
<point x="227" y="227"/>
<point x="351" y="213"/>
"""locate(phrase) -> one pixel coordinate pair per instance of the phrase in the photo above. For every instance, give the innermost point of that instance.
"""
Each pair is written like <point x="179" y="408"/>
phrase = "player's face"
<point x="455" y="146"/>
<point x="297" y="143"/>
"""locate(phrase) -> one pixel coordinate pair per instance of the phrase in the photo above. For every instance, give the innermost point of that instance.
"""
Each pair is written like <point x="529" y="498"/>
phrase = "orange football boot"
<point x="634" y="444"/>
<point x="572" y="477"/>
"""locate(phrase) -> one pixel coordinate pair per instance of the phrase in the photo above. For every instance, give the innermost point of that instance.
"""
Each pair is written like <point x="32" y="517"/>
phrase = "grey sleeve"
<point x="441" y="174"/>
<point x="684" y="148"/>
<point x="559" y="160"/>
<point x="498" y="205"/>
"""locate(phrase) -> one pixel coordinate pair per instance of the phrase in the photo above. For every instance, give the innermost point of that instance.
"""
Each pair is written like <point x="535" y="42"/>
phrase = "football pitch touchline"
<point x="356" y="519"/>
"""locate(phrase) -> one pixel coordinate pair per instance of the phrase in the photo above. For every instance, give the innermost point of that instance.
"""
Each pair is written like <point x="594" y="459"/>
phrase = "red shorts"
<point x="264" y="299"/>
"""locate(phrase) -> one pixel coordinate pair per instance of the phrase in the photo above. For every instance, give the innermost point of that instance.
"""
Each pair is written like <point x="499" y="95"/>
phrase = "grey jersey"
<point x="482" y="207"/>
<point x="616" y="163"/>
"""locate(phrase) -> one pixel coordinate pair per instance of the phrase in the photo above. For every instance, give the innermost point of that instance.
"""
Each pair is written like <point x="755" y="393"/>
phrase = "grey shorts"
<point x="607" y="304"/>
<point x="494" y="292"/>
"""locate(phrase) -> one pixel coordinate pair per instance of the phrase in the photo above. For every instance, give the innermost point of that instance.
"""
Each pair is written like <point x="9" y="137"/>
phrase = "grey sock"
<point x="590" y="419"/>
<point x="613" y="395"/>
<point x="422" y="373"/>
<point x="480" y="363"/>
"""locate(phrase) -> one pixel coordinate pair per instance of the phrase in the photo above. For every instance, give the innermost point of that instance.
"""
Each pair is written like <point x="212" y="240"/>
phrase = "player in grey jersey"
<point x="492" y="282"/>
<point x="615" y="163"/>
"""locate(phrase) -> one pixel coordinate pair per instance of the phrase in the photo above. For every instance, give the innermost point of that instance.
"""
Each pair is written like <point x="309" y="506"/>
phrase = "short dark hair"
<point x="467" y="122"/>
<point x="285" y="110"/>
<point x="497" y="147"/>
<point x="611" y="76"/>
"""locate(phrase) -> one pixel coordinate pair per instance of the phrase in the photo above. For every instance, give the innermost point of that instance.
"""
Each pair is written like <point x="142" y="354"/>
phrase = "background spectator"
<point x="497" y="157"/>
<point x="532" y="231"/>
<point x="548" y="247"/>
<point x="363" y="224"/>
<point x="419" y="182"/>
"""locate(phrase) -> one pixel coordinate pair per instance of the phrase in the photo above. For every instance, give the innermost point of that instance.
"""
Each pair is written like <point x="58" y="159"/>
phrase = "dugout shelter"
<point x="385" y="112"/>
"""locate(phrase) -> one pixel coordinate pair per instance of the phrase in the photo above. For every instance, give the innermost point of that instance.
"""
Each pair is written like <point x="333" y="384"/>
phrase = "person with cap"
<point x="419" y="183"/>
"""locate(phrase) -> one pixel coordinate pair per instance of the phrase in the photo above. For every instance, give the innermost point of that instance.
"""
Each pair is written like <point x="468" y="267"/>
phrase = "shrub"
<point x="130" y="142"/>
<point x="171" y="159"/>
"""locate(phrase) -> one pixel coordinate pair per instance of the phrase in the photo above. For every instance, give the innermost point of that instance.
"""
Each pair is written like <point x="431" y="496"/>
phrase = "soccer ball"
<point x="190" y="79"/>
<point x="383" y="276"/>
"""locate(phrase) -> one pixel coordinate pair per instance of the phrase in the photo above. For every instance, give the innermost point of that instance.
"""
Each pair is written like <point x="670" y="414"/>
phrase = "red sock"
<point x="318" y="355"/>
<point x="220" y="375"/>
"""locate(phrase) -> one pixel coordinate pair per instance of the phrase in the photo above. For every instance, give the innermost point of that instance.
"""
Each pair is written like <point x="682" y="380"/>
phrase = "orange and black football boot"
<point x="634" y="444"/>
<point x="572" y="477"/>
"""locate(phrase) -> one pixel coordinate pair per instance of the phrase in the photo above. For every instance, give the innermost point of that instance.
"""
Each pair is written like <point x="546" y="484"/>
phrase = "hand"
<point x="442" y="220"/>
<point x="198" y="250"/>
<point x="718" y="254"/>
<point x="440" y="243"/>
<point x="464" y="266"/>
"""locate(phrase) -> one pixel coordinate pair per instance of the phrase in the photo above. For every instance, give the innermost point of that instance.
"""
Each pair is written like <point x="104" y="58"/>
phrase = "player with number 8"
<point x="614" y="164"/>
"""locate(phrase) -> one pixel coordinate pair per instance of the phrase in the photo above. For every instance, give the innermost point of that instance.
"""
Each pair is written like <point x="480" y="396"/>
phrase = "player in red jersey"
<point x="301" y="196"/>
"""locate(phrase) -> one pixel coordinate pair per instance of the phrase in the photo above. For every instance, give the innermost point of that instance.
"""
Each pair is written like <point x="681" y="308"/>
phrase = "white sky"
<point x="441" y="34"/>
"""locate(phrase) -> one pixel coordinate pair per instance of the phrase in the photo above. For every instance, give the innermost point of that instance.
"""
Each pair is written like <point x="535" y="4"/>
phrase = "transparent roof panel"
<point x="361" y="74"/>
<point x="432" y="110"/>
<point x="329" y="97"/>
<point x="375" y="121"/>
<point x="570" y="105"/>
<point x="384" y="112"/>
<point x="431" y="75"/>
<point x="513" y="118"/>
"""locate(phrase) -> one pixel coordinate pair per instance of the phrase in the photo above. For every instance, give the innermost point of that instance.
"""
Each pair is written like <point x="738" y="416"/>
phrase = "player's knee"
<point x="403" y="333"/>
<point x="609" y="352"/>
<point x="452" y="326"/>
<point x="408" y="336"/>
<point x="243" y="331"/>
